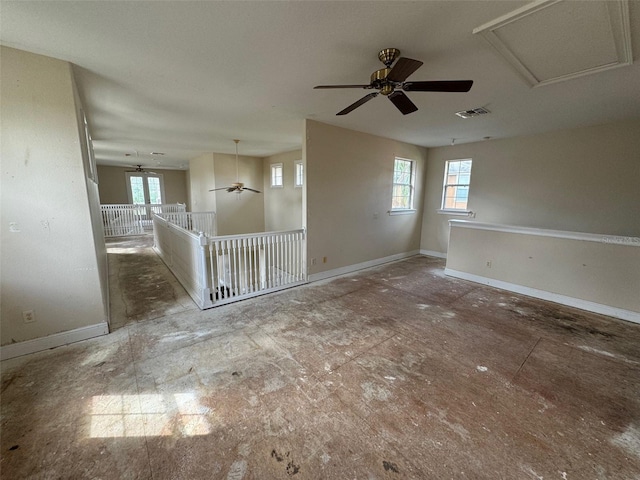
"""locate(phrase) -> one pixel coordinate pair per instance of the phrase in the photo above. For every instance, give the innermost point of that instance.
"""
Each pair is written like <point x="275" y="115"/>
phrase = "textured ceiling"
<point x="188" y="77"/>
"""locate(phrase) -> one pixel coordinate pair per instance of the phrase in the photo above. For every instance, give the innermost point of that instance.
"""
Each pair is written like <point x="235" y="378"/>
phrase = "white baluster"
<point x="289" y="257"/>
<point x="234" y="271"/>
<point x="225" y="263"/>
<point x="250" y="265"/>
<point x="245" y="286"/>
<point x="263" y="264"/>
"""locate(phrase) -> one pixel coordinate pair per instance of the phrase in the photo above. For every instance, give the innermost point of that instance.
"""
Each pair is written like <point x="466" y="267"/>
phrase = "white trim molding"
<point x="315" y="277"/>
<point x="588" y="237"/>
<point x="599" y="308"/>
<point x="431" y="253"/>
<point x="52" y="341"/>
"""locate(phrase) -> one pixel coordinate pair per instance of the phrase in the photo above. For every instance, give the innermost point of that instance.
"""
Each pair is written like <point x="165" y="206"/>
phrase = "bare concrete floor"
<point x="395" y="372"/>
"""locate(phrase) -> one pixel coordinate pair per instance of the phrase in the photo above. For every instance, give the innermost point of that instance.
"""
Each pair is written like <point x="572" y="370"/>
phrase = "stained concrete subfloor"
<point x="390" y="373"/>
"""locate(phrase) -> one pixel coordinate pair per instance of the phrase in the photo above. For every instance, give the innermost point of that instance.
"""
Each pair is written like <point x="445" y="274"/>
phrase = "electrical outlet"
<point x="28" y="316"/>
<point x="488" y="263"/>
<point x="313" y="261"/>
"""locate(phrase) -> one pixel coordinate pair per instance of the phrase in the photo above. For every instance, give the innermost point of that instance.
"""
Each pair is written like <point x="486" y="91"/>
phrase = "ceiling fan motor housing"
<point x="379" y="81"/>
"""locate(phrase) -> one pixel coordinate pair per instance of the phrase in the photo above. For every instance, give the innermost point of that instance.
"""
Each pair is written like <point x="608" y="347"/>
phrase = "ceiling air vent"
<point x="474" y="112"/>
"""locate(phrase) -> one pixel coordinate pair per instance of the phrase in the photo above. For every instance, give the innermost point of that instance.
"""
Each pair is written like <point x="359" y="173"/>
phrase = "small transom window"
<point x="276" y="175"/>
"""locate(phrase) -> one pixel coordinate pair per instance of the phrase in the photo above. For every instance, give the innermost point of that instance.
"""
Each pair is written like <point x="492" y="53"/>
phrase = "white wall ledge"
<point x="407" y="211"/>
<point x="456" y="213"/>
<point x="588" y="237"/>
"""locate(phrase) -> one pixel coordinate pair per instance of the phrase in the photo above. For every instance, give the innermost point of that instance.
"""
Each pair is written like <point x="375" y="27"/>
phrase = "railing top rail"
<point x="260" y="234"/>
<point x="187" y="213"/>
<point x="132" y="205"/>
<point x="158" y="218"/>
<point x="118" y="205"/>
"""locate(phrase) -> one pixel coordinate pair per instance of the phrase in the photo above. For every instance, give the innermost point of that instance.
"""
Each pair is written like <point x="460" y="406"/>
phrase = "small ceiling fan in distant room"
<point x="138" y="167"/>
<point x="140" y="170"/>
<point x="237" y="187"/>
<point x="390" y="81"/>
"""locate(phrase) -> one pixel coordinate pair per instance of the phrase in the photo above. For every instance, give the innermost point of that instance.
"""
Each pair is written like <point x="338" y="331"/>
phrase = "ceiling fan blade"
<point x="438" y="86"/>
<point x="360" y="102"/>
<point x="252" y="190"/>
<point x="402" y="102"/>
<point x="403" y="68"/>
<point x="216" y="189"/>
<point x="343" y="86"/>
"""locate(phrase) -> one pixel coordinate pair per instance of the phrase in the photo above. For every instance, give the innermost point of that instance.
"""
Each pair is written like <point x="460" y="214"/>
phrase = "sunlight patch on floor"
<point x="152" y="415"/>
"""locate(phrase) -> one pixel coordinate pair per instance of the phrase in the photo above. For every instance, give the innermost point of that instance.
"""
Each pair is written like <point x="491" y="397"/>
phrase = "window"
<point x="455" y="192"/>
<point x="299" y="173"/>
<point x="403" y="184"/>
<point x="92" y="171"/>
<point x="145" y="188"/>
<point x="276" y="175"/>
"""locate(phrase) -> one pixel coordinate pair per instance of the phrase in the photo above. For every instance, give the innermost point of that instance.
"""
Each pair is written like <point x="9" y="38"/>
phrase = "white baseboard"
<point x="620" y="313"/>
<point x="431" y="253"/>
<point x="51" y="341"/>
<point x="314" y="277"/>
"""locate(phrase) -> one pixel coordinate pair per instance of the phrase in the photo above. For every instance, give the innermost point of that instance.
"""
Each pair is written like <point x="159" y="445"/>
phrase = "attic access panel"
<point x="551" y="41"/>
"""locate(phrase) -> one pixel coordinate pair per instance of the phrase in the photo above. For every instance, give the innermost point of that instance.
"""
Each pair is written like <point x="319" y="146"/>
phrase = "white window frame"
<point x="411" y="185"/>
<point x="274" y="167"/>
<point x="445" y="184"/>
<point x="92" y="171"/>
<point x="298" y="180"/>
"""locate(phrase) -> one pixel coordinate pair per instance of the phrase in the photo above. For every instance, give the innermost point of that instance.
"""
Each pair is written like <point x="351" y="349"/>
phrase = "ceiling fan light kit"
<point x="390" y="82"/>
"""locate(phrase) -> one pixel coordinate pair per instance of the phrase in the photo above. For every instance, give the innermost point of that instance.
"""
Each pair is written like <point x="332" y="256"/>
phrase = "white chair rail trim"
<point x="588" y="237"/>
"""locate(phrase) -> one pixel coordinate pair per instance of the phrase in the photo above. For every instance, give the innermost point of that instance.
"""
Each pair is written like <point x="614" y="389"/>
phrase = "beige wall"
<point x="584" y="180"/>
<point x="202" y="179"/>
<point x="50" y="261"/>
<point x="113" y="184"/>
<point x="282" y="206"/>
<point x="594" y="270"/>
<point x="349" y="176"/>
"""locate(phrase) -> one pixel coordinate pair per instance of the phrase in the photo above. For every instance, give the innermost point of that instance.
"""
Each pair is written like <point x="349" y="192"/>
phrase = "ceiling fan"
<point x="390" y="81"/>
<point x="140" y="170"/>
<point x="238" y="186"/>
<point x="138" y="167"/>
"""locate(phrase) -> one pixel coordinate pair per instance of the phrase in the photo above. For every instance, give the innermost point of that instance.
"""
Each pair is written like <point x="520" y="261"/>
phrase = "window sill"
<point x="408" y="211"/>
<point x="277" y="186"/>
<point x="459" y="213"/>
